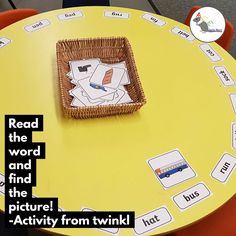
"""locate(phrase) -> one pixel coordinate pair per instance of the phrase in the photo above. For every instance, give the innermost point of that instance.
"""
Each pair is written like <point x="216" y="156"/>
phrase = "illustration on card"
<point x="171" y="168"/>
<point x="207" y="24"/>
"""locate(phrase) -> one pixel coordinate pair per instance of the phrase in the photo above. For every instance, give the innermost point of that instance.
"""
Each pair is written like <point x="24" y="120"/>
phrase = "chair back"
<point x="11" y="16"/>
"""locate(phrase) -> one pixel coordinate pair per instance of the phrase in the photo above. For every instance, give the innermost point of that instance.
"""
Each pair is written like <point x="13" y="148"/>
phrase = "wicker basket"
<point x="109" y="50"/>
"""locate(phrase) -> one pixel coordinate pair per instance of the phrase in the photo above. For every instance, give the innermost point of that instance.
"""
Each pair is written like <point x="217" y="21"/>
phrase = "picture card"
<point x="171" y="168"/>
<point x="80" y="95"/>
<point x="94" y="91"/>
<point x="107" y="76"/>
<point x="83" y="68"/>
<point x="76" y="103"/>
<point x="125" y="79"/>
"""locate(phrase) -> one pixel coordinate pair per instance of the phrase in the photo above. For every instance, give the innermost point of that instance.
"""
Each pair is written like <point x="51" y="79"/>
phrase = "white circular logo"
<point x="207" y="24"/>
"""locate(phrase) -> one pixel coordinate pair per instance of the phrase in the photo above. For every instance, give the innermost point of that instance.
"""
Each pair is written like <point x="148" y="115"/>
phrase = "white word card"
<point x="183" y="34"/>
<point x="4" y="41"/>
<point x="191" y="196"/>
<point x="116" y="14"/>
<point x="152" y="220"/>
<point x="109" y="230"/>
<point x="154" y="20"/>
<point x="70" y="15"/>
<point x="224" y="168"/>
<point x="211" y="54"/>
<point x="37" y="25"/>
<point x="171" y="168"/>
<point x="234" y="135"/>
<point x="224" y="76"/>
<point x="2" y="184"/>
<point x="233" y="101"/>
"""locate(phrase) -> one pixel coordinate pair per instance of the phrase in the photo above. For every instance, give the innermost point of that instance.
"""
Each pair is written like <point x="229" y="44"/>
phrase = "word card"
<point x="224" y="168"/>
<point x="152" y="220"/>
<point x="183" y="34"/>
<point x="4" y="41"/>
<point x="234" y="136"/>
<point x="70" y="15"/>
<point x="171" y="168"/>
<point x="116" y="14"/>
<point x="191" y="196"/>
<point x="2" y="184"/>
<point x="210" y="53"/>
<point x="224" y="76"/>
<point x="37" y="25"/>
<point x="154" y="20"/>
<point x="97" y="83"/>
<point x="109" y="230"/>
<point x="233" y="101"/>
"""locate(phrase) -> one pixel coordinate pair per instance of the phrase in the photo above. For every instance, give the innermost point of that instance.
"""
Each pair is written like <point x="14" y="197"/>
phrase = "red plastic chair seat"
<point x="12" y="16"/>
<point x="220" y="223"/>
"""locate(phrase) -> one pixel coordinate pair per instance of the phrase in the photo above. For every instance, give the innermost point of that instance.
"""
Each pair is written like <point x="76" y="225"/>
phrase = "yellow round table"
<point x="112" y="163"/>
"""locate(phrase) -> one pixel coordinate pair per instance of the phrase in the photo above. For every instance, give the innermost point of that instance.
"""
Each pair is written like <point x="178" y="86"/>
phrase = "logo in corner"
<point x="207" y="24"/>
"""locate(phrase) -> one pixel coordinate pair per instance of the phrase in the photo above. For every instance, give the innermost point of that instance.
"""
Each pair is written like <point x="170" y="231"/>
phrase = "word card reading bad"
<point x="109" y="230"/>
<point x="37" y="25"/>
<point x="224" y="76"/>
<point x="224" y="168"/>
<point x="70" y="15"/>
<point x="116" y="14"/>
<point x="4" y="42"/>
<point x="183" y="34"/>
<point x="154" y="20"/>
<point x="171" y="168"/>
<point x="211" y="54"/>
<point x="152" y="220"/>
<point x="191" y="196"/>
<point x="2" y="184"/>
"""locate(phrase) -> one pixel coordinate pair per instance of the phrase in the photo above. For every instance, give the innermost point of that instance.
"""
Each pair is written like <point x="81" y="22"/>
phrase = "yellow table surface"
<point x="102" y="163"/>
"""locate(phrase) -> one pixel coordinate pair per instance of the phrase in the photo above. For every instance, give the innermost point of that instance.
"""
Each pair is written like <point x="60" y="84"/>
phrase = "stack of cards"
<point x="97" y="83"/>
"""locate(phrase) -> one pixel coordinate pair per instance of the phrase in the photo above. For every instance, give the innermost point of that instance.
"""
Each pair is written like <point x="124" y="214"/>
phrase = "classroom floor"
<point x="43" y="6"/>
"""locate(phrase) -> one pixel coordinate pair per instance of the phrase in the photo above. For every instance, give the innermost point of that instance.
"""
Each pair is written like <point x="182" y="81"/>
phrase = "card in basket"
<point x="80" y="95"/>
<point x="107" y="77"/>
<point x="125" y="79"/>
<point x="83" y="68"/>
<point x="94" y="91"/>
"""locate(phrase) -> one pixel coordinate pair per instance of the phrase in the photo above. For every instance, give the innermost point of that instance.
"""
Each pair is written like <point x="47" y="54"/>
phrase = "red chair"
<point x="225" y="40"/>
<point x="12" y="16"/>
<point x="221" y="222"/>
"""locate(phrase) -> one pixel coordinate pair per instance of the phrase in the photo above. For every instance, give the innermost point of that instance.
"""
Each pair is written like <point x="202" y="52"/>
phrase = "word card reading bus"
<point x="171" y="168"/>
<point x="191" y="196"/>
